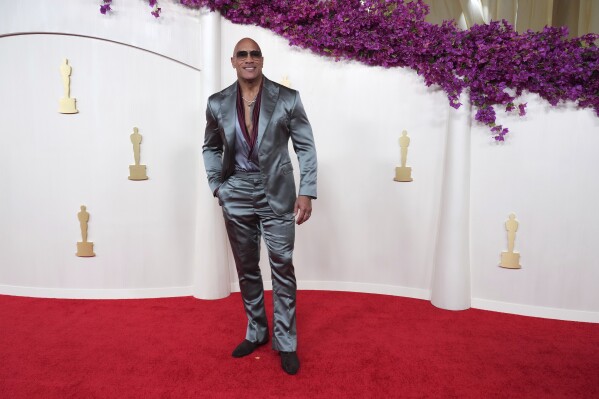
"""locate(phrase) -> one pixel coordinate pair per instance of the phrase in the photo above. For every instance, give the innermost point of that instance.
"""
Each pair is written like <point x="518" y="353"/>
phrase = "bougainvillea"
<point x="492" y="62"/>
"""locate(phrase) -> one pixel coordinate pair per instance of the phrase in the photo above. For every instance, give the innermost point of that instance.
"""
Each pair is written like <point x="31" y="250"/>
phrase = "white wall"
<point x="52" y="163"/>
<point x="175" y="34"/>
<point x="368" y="233"/>
<point x="545" y="174"/>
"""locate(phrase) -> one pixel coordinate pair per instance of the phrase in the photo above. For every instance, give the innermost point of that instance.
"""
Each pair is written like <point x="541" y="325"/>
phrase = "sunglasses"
<point x="255" y="54"/>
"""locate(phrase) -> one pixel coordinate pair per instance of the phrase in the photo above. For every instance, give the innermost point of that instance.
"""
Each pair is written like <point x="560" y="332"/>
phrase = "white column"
<point x="451" y="274"/>
<point x="473" y="12"/>
<point x="211" y="268"/>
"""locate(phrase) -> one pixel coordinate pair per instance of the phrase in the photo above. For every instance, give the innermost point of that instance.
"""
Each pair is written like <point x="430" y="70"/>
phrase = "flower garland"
<point x="492" y="62"/>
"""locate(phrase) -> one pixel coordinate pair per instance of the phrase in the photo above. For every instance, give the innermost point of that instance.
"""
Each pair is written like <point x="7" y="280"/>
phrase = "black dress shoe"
<point x="289" y="362"/>
<point x="247" y="347"/>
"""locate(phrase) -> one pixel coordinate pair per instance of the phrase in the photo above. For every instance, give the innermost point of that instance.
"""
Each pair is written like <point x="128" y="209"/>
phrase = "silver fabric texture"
<point x="262" y="203"/>
<point x="282" y="117"/>
<point x="247" y="216"/>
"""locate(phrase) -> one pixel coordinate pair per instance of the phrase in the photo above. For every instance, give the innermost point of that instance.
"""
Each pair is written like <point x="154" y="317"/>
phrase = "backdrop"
<point x="164" y="236"/>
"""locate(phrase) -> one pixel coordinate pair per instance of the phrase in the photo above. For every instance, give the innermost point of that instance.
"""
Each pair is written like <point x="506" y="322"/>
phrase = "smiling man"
<point x="246" y="156"/>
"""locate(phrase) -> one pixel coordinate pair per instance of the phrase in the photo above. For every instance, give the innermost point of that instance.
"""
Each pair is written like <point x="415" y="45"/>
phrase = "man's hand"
<point x="302" y="209"/>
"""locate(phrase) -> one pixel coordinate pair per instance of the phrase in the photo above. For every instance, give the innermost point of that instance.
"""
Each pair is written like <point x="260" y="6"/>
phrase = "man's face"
<point x="247" y="60"/>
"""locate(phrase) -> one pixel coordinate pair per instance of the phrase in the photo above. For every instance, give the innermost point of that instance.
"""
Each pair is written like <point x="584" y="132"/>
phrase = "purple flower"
<point x="522" y="109"/>
<point x="493" y="63"/>
<point x="104" y="8"/>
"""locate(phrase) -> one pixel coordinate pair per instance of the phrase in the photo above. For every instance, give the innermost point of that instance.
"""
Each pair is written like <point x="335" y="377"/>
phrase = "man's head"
<point x="247" y="60"/>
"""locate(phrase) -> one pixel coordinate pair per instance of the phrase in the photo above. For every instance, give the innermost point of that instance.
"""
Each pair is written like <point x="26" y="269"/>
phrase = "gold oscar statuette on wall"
<point x="403" y="173"/>
<point x="66" y="103"/>
<point x="286" y="82"/>
<point x="511" y="259"/>
<point x="137" y="171"/>
<point x="84" y="248"/>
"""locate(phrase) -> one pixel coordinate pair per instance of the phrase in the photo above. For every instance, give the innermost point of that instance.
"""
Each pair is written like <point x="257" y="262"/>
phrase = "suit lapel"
<point x="228" y="111"/>
<point x="270" y="95"/>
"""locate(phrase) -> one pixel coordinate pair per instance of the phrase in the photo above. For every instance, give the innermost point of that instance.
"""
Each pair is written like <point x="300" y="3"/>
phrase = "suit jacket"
<point x="282" y="117"/>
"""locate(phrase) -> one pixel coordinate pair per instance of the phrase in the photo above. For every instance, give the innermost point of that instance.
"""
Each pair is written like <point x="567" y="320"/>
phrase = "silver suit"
<point x="262" y="203"/>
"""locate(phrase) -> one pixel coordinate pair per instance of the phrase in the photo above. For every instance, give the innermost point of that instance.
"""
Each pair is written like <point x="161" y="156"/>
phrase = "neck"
<point x="250" y="86"/>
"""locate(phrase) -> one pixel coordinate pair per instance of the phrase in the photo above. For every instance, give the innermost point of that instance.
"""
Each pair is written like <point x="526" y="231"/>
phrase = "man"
<point x="248" y="127"/>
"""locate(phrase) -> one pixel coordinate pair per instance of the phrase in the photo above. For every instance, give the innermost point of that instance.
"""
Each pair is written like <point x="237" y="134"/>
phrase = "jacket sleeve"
<point x="303" y="144"/>
<point x="212" y="150"/>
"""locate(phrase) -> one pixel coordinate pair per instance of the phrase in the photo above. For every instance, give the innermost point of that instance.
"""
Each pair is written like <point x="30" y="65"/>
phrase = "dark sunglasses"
<point x="255" y="54"/>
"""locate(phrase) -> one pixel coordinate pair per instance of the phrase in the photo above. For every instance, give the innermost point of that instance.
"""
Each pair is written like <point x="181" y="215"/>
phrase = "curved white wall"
<point x="53" y="163"/>
<point x="368" y="233"/>
<point x="175" y="34"/>
<point x="545" y="173"/>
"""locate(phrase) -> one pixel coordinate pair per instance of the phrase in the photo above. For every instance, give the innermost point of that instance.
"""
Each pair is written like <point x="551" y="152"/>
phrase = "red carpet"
<point x="350" y="345"/>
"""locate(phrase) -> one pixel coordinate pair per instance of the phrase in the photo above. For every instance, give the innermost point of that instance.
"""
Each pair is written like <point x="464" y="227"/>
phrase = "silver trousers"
<point x="248" y="216"/>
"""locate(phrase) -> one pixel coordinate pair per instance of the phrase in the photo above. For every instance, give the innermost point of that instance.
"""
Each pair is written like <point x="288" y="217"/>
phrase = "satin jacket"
<point x="282" y="117"/>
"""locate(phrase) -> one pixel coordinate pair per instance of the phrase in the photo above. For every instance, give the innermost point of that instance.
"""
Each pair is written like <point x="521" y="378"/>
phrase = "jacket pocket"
<point x="223" y="190"/>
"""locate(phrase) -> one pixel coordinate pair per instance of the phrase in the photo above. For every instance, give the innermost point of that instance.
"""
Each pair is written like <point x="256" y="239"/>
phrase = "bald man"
<point x="246" y="156"/>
